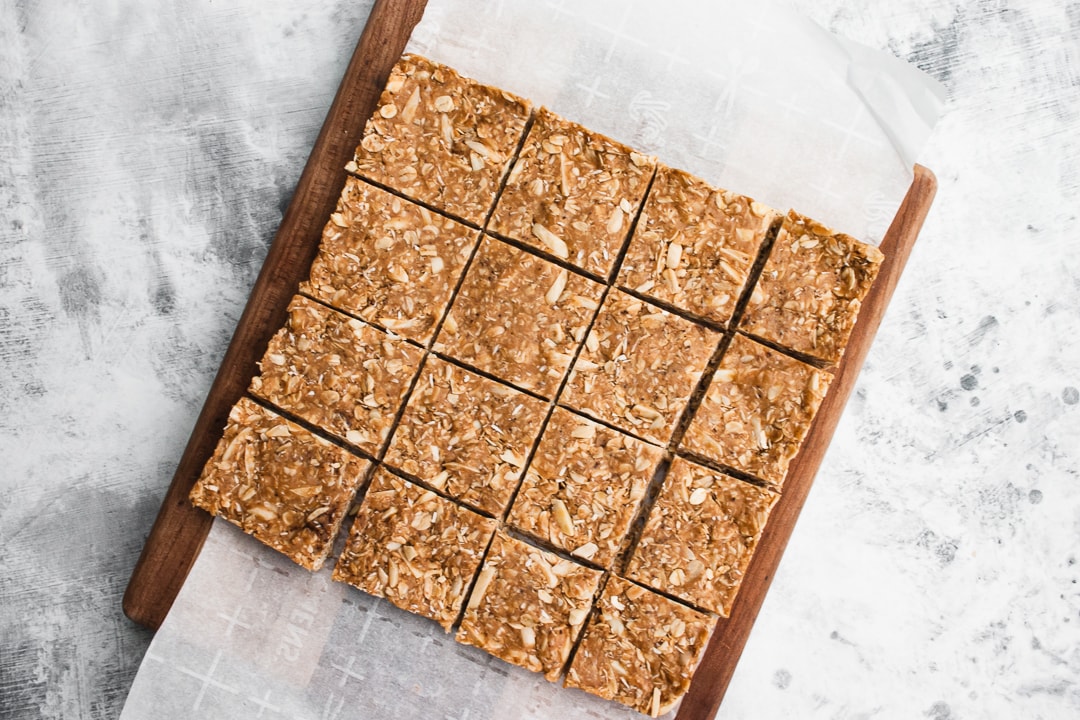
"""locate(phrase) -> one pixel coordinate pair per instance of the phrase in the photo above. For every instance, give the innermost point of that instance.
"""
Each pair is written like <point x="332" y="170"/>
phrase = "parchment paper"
<point x="749" y="96"/>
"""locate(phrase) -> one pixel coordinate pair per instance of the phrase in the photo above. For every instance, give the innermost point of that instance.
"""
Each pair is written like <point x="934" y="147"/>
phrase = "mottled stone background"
<point x="147" y="151"/>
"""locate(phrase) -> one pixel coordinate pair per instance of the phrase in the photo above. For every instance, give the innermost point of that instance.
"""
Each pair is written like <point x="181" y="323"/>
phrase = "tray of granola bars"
<point x="559" y="397"/>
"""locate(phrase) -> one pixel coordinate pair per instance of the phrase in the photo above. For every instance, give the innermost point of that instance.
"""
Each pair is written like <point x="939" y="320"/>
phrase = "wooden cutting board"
<point x="179" y="530"/>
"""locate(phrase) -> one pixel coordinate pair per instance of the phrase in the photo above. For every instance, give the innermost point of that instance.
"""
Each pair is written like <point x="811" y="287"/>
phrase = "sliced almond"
<point x="510" y="457"/>
<point x="698" y="496"/>
<point x="542" y="565"/>
<point x="562" y="517"/>
<point x="263" y="513"/>
<point x="578" y="615"/>
<point x="551" y="241"/>
<point x="318" y="513"/>
<point x="481" y="149"/>
<point x="674" y="255"/>
<point x="439" y="481"/>
<point x="584" y="431"/>
<point x="645" y="411"/>
<point x="671" y="280"/>
<point x="483" y="580"/>
<point x="528" y="637"/>
<point x="556" y="290"/>
<point x="409" y="111"/>
<point x="615" y="222"/>
<point x="280" y="430"/>
<point x="587" y="551"/>
<point x="563" y="568"/>
<point x="397" y="274"/>
<point x="565" y="176"/>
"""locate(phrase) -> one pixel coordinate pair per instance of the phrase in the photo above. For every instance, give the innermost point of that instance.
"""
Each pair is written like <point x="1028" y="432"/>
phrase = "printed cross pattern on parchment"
<point x="207" y="680"/>
<point x="233" y="620"/>
<point x="264" y="704"/>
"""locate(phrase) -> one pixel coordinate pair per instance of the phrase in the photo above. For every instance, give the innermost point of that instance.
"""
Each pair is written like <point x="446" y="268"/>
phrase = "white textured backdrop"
<point x="146" y="153"/>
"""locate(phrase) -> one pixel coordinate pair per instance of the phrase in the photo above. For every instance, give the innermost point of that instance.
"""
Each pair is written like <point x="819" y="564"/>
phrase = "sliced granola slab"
<point x="466" y="435"/>
<point x="389" y="261"/>
<point x="528" y="606"/>
<point x="639" y="648"/>
<point x="277" y="481"/>
<point x="694" y="245"/>
<point x="811" y="289"/>
<point x="757" y="410"/>
<point x="573" y="193"/>
<point x="519" y="317"/>
<point x="441" y="138"/>
<point x="639" y="367"/>
<point x="414" y="548"/>
<point x="583" y="487"/>
<point x="700" y="536"/>
<point x="338" y="373"/>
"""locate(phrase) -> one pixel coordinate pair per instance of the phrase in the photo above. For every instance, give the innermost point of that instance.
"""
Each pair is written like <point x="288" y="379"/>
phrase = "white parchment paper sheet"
<point x="749" y="96"/>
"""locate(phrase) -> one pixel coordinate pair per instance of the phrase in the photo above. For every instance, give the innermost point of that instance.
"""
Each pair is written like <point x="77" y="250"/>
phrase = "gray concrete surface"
<point x="147" y="152"/>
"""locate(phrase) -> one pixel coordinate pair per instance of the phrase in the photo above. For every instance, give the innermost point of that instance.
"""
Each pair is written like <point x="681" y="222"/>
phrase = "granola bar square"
<point x="700" y="536"/>
<point x="639" y="367"/>
<point x="811" y="289"/>
<point x="694" y="245"/>
<point x="442" y="139"/>
<point x="573" y="193"/>
<point x="288" y="488"/>
<point x="466" y="435"/>
<point x="757" y="410"/>
<point x="389" y="261"/>
<point x="338" y="373"/>
<point x="639" y="648"/>
<point x="416" y="549"/>
<point x="583" y="487"/>
<point x="528" y="606"/>
<point x="519" y="317"/>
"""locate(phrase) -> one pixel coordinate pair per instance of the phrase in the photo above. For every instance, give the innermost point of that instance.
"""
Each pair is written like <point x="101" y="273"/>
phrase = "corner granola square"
<point x="277" y="481"/>
<point x="442" y="139"/>
<point x="811" y="289"/>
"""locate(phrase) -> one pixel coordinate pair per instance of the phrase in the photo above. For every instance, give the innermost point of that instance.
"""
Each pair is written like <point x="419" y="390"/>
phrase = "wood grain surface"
<point x="179" y="530"/>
